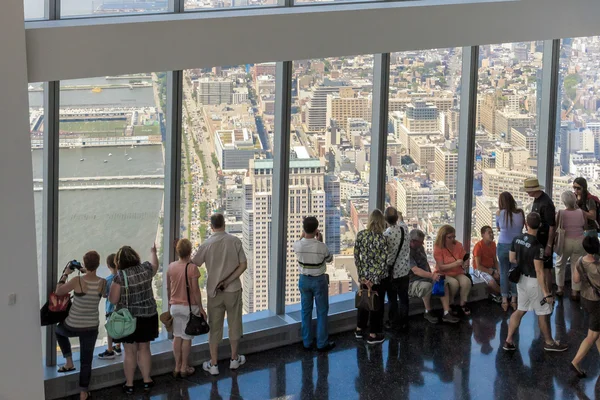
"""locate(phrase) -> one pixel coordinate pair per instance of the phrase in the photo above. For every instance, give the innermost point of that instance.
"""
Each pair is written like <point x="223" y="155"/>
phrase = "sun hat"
<point x="532" y="185"/>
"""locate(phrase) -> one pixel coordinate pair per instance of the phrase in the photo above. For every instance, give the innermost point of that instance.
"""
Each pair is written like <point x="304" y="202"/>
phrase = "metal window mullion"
<point x="52" y="9"/>
<point x="377" y="175"/>
<point x="176" y="6"/>
<point x="548" y="118"/>
<point x="280" y="193"/>
<point x="173" y="158"/>
<point x="466" y="143"/>
<point x="50" y="203"/>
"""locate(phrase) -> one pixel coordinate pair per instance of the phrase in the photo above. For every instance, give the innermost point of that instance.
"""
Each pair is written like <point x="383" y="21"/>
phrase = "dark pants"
<point x="87" y="341"/>
<point x="397" y="289"/>
<point x="373" y="319"/>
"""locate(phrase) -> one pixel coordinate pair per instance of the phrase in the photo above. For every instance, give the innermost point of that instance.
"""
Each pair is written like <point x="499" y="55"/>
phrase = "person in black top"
<point x="543" y="205"/>
<point x="528" y="253"/>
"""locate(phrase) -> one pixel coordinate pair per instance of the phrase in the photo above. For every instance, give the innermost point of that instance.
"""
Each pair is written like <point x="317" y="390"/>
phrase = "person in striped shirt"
<point x="313" y="256"/>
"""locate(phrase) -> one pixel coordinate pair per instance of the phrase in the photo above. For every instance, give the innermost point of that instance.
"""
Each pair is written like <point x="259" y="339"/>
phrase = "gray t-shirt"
<point x="418" y="258"/>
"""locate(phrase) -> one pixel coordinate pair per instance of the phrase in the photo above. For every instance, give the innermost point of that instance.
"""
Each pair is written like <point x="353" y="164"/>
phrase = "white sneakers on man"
<point x="235" y="364"/>
<point x="211" y="369"/>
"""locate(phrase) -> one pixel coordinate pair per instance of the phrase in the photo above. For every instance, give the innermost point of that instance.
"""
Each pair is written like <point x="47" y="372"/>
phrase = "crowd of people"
<point x="130" y="287"/>
<point x="391" y="262"/>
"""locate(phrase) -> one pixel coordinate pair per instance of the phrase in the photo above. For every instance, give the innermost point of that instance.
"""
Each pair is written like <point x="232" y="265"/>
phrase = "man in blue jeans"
<point x="313" y="256"/>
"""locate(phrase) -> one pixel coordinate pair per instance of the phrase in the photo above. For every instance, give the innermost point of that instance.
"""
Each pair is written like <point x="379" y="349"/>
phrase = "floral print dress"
<point x="370" y="256"/>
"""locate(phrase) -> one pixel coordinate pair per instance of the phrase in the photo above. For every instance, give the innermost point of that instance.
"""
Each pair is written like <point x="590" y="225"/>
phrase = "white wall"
<point x="119" y="45"/>
<point x="20" y="339"/>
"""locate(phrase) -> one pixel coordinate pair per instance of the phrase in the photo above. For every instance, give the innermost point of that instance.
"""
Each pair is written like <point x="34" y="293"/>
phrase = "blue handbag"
<point x="438" y="288"/>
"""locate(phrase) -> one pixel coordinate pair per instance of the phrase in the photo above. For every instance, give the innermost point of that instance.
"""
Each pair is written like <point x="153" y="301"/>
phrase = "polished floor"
<point x="465" y="361"/>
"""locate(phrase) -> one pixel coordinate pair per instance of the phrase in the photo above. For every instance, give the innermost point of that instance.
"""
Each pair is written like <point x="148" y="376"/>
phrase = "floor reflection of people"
<point x="509" y="370"/>
<point x="484" y="330"/>
<point x="309" y="391"/>
<point x="370" y="372"/>
<point x="233" y="394"/>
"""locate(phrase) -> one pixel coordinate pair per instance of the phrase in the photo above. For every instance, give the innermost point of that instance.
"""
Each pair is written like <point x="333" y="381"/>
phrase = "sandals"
<point x="88" y="395"/>
<point x="64" y="370"/>
<point x="188" y="372"/>
<point x="148" y="386"/>
<point x="505" y="306"/>
<point x="466" y="310"/>
<point x="128" y="390"/>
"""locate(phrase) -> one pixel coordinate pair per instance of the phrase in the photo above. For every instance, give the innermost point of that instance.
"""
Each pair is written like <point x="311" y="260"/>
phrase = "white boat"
<point x="105" y="161"/>
<point x="110" y="154"/>
<point x="129" y="159"/>
<point x="82" y="159"/>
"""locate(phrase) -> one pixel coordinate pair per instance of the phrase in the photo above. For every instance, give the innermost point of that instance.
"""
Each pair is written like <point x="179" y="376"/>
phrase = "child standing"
<point x="111" y="351"/>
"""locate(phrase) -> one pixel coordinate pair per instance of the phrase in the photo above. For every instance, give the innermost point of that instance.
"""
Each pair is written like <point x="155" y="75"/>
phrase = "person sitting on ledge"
<point x="421" y="279"/>
<point x="486" y="263"/>
<point x="451" y="261"/>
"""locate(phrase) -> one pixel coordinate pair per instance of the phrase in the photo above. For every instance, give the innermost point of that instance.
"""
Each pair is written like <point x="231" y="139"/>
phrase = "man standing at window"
<point x="313" y="256"/>
<point x="528" y="253"/>
<point x="225" y="263"/>
<point x="543" y="205"/>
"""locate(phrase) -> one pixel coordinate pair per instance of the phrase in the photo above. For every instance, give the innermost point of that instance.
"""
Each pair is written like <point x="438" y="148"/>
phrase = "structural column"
<point x="20" y="336"/>
<point x="381" y="85"/>
<point x="280" y="194"/>
<point x="466" y="144"/>
<point x="548" y="119"/>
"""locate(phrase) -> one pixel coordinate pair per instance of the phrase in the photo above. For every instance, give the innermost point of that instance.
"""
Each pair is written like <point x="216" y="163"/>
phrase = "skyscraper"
<point x="333" y="213"/>
<point x="306" y="197"/>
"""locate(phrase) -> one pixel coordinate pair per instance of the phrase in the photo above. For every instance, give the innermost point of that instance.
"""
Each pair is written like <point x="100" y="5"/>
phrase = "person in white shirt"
<point x="397" y="260"/>
<point x="313" y="256"/>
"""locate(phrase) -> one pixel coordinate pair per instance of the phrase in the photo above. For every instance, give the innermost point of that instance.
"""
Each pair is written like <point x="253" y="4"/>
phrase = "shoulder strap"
<point x="399" y="247"/>
<point x="187" y="288"/>
<point x="126" y="289"/>
<point x="560" y="220"/>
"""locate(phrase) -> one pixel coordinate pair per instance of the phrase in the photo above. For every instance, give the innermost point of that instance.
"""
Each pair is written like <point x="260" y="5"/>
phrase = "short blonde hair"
<point x="569" y="199"/>
<point x="376" y="222"/>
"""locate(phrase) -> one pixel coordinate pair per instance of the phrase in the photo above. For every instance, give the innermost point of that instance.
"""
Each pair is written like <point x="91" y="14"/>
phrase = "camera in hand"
<point x="466" y="257"/>
<point x="74" y="265"/>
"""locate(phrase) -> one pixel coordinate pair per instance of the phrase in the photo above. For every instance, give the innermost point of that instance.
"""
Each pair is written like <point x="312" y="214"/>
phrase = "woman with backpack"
<point x="588" y="204"/>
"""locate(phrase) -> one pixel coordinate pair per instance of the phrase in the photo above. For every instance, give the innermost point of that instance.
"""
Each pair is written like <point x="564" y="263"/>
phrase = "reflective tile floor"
<point x="465" y="361"/>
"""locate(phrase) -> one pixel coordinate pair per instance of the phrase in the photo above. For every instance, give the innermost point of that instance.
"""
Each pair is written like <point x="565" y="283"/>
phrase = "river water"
<point x="104" y="219"/>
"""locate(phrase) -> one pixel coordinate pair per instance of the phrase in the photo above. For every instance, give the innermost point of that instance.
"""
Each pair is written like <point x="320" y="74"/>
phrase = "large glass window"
<point x="227" y="133"/>
<point x="508" y="101"/>
<point x="330" y="161"/>
<point x="96" y="8"/>
<point x="197" y="5"/>
<point x="36" y="132"/>
<point x="34" y="9"/>
<point x="578" y="131"/>
<point x="422" y="149"/>
<point x="111" y="161"/>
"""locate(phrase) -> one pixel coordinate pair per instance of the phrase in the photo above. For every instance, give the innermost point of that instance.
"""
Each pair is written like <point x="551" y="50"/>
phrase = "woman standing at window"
<point x="587" y="204"/>
<point x="510" y="221"/>
<point x="370" y="256"/>
<point x="142" y="306"/>
<point x="450" y="261"/>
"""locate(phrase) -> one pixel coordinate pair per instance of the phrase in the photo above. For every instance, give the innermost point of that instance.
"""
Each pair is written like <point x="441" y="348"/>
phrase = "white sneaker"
<point x="235" y="364"/>
<point x="211" y="369"/>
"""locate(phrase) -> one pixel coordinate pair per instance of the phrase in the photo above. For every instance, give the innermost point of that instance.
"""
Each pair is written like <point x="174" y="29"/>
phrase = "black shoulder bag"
<point x="197" y="325"/>
<point x="391" y="267"/>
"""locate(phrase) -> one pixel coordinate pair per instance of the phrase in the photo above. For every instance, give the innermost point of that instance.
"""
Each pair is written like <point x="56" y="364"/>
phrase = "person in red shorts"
<point x="485" y="263"/>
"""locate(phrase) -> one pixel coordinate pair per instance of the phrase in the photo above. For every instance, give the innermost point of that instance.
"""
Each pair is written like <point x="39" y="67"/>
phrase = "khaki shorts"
<point x="419" y="289"/>
<point x="225" y="302"/>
